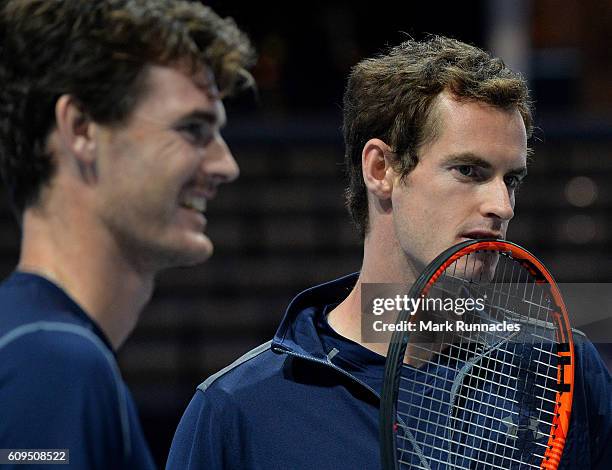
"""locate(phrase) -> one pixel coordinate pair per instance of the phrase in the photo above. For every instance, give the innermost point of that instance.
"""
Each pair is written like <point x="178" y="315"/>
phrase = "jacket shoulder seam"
<point x="579" y="332"/>
<point x="70" y="328"/>
<point x="241" y="360"/>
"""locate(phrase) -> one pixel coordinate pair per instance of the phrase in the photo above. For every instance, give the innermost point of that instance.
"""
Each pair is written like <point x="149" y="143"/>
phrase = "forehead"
<point x="172" y="91"/>
<point x="480" y="129"/>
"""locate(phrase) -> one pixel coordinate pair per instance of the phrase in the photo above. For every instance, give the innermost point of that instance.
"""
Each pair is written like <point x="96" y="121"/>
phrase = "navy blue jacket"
<point x="309" y="400"/>
<point x="60" y="387"/>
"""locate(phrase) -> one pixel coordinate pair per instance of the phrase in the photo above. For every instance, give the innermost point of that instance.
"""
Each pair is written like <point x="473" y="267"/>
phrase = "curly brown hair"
<point x="96" y="51"/>
<point x="392" y="97"/>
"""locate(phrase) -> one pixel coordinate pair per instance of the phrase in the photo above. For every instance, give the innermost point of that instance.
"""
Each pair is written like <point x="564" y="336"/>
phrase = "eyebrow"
<point x="469" y="158"/>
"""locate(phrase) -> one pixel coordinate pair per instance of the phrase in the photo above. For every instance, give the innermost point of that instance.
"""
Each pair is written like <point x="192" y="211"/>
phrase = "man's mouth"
<point x="480" y="234"/>
<point x="196" y="203"/>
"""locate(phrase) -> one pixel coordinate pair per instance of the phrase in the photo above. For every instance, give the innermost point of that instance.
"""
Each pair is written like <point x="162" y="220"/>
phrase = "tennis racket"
<point x="494" y="392"/>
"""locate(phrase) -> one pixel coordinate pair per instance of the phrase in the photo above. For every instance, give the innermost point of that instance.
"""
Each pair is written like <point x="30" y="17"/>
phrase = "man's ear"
<point x="376" y="167"/>
<point x="75" y="129"/>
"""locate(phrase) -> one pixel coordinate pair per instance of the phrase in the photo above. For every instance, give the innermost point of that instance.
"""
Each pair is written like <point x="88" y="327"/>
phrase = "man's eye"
<point x="466" y="170"/>
<point x="196" y="133"/>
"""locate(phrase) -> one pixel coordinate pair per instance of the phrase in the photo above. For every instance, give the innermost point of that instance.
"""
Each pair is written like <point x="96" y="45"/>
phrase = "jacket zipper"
<point x="328" y="364"/>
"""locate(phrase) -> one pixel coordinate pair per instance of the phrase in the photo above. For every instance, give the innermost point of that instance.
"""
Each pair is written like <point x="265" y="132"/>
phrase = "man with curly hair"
<point x="110" y="147"/>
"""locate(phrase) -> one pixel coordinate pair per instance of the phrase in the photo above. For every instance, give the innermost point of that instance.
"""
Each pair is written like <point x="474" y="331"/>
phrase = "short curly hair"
<point x="392" y="96"/>
<point x="96" y="51"/>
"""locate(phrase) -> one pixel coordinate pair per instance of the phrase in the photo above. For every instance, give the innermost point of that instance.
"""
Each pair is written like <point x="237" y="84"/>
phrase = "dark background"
<point x="282" y="226"/>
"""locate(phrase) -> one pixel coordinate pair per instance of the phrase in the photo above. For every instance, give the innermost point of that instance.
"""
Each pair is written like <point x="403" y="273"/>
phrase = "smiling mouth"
<point x="196" y="203"/>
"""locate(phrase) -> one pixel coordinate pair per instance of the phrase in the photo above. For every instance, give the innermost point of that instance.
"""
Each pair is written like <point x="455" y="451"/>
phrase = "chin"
<point x="183" y="258"/>
<point x="478" y="269"/>
<point x="201" y="256"/>
<point x="197" y="253"/>
<point x="189" y="251"/>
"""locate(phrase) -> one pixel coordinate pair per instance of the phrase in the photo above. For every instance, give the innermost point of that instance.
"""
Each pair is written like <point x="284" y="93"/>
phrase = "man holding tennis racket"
<point x="436" y="146"/>
<point x="110" y="147"/>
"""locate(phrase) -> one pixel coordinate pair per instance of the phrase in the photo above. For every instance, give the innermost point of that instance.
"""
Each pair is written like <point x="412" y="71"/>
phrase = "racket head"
<point x="544" y="379"/>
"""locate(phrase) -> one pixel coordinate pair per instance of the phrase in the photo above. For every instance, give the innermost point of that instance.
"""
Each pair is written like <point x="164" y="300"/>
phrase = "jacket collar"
<point x="297" y="331"/>
<point x="51" y="297"/>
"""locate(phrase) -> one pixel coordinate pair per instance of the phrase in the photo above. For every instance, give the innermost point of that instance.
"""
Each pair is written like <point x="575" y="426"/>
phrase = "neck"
<point x="87" y="263"/>
<point x="384" y="262"/>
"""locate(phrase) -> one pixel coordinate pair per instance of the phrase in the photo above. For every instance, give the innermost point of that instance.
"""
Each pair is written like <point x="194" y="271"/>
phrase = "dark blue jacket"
<point x="60" y="387"/>
<point x="309" y="400"/>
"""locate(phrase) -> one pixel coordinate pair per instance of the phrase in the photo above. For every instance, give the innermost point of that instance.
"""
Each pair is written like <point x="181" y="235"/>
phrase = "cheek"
<point x="141" y="186"/>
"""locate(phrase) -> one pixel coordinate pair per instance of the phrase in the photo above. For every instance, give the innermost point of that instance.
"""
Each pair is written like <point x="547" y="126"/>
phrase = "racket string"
<point x="479" y="428"/>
